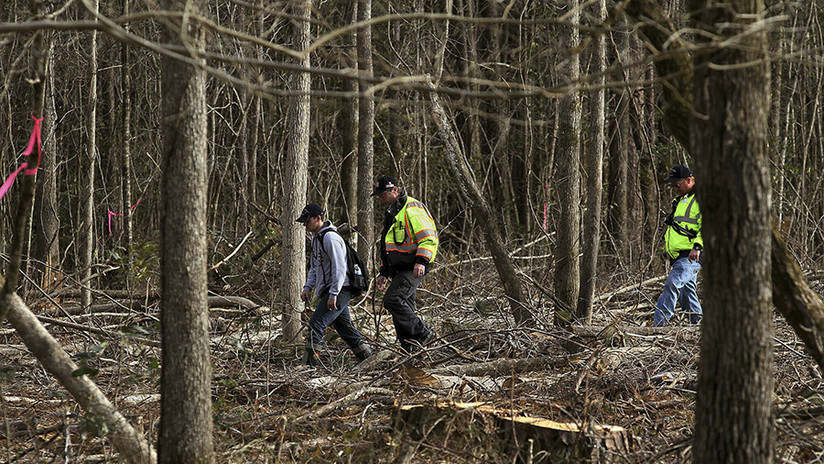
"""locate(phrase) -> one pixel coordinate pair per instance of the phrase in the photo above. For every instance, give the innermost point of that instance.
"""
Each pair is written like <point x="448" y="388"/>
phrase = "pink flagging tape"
<point x="35" y="137"/>
<point x="112" y="213"/>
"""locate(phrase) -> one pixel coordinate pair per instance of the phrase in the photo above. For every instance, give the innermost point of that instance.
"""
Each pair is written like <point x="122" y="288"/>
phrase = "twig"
<point x="226" y="259"/>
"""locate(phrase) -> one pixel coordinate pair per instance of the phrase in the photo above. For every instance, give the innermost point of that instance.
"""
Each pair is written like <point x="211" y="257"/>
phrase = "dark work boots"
<point x="362" y="352"/>
<point x="310" y="357"/>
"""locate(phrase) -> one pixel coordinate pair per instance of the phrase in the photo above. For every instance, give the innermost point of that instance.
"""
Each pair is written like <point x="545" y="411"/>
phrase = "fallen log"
<point x="490" y="433"/>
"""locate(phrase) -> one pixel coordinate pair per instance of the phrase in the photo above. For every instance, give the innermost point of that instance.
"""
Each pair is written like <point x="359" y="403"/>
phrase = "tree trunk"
<point x="485" y="214"/>
<point x="733" y="422"/>
<point x="619" y="155"/>
<point x="568" y="245"/>
<point x="366" y="129"/>
<point x="86" y="237"/>
<point x="47" y="243"/>
<point x="293" y="271"/>
<point x="126" y="173"/>
<point x="792" y="296"/>
<point x="349" y="119"/>
<point x="186" y="408"/>
<point x="735" y="371"/>
<point x="594" y="164"/>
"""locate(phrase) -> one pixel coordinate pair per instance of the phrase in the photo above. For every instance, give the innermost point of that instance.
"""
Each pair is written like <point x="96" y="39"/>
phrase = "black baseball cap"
<point x="678" y="172"/>
<point x="383" y="184"/>
<point x="311" y="210"/>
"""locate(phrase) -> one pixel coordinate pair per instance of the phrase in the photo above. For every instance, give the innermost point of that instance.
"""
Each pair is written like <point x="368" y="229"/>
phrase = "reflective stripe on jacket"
<point x="410" y="238"/>
<point x="687" y="215"/>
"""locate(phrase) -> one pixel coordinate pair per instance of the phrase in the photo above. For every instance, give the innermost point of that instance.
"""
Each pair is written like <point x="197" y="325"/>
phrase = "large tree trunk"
<point x="594" y="161"/>
<point x="568" y="245"/>
<point x="186" y="404"/>
<point x="293" y="271"/>
<point x="366" y="129"/>
<point x="486" y="215"/>
<point x="792" y="295"/>
<point x="735" y="371"/>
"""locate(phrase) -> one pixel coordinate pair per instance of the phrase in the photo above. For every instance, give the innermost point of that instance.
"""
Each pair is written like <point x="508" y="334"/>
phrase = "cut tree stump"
<point x="488" y="432"/>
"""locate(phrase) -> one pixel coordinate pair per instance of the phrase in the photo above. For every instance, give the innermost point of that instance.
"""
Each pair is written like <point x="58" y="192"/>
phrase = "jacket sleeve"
<point x="426" y="234"/>
<point x="336" y="250"/>
<point x="311" y="277"/>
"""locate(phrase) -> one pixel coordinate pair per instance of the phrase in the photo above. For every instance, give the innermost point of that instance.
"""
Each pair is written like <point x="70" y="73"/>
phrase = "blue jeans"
<point x="679" y="287"/>
<point x="340" y="318"/>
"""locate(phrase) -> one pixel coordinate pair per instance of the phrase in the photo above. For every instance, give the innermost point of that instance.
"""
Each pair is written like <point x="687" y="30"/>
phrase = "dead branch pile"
<point x="485" y="391"/>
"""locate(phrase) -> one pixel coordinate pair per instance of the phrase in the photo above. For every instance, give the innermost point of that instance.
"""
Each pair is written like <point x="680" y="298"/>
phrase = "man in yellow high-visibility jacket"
<point x="408" y="245"/>
<point x="683" y="245"/>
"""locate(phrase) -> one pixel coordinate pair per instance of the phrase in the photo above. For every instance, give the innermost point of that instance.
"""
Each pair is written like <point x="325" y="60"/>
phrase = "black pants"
<point x="399" y="299"/>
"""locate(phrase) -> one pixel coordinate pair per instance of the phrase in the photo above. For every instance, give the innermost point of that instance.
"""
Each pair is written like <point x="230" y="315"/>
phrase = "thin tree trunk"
<point x="88" y="173"/>
<point x="568" y="246"/>
<point x="126" y="174"/>
<point x="366" y="129"/>
<point x="484" y="212"/>
<point x="48" y="220"/>
<point x="294" y="182"/>
<point x="349" y="167"/>
<point x="594" y="166"/>
<point x="186" y="404"/>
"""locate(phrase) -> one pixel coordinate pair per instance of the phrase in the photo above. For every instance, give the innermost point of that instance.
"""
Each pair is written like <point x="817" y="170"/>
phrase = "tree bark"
<point x="733" y="422"/>
<point x="486" y="215"/>
<point x="86" y="236"/>
<point x="366" y="130"/>
<point x="594" y="166"/>
<point x="293" y="271"/>
<point x="350" y="123"/>
<point x="47" y="243"/>
<point x="186" y="408"/>
<point x="568" y="245"/>
<point x="735" y="370"/>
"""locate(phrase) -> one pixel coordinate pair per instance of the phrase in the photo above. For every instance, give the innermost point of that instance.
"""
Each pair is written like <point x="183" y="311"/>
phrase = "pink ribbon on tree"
<point x="35" y="136"/>
<point x="112" y="213"/>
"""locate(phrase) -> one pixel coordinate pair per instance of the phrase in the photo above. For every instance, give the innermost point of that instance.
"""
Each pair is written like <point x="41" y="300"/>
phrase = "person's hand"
<point x="332" y="304"/>
<point x="304" y="295"/>
<point x="694" y="254"/>
<point x="418" y="270"/>
<point x="382" y="282"/>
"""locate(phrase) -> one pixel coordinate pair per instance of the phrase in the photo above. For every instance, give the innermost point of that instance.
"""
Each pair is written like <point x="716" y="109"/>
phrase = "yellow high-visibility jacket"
<point x="409" y="237"/>
<point x="686" y="218"/>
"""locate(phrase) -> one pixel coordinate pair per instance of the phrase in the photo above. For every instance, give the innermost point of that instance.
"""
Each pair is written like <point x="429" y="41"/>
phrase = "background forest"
<point x="544" y="176"/>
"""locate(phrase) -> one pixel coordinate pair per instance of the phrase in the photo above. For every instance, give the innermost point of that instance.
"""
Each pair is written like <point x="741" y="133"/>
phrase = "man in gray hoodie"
<point x="327" y="275"/>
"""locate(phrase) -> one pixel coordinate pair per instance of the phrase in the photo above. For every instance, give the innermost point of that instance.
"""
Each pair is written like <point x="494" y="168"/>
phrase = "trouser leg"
<point x="399" y="300"/>
<point x="689" y="294"/>
<point x="682" y="273"/>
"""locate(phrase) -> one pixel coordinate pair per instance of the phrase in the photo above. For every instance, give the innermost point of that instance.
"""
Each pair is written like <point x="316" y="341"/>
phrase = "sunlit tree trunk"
<point x="294" y="181"/>
<point x="186" y="404"/>
<point x="366" y="123"/>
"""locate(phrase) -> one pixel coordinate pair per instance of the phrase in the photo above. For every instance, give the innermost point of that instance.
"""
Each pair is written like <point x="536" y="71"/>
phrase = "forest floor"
<point x="484" y="391"/>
